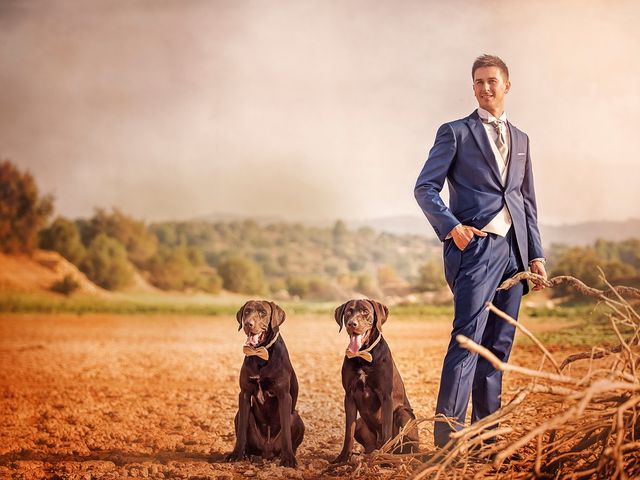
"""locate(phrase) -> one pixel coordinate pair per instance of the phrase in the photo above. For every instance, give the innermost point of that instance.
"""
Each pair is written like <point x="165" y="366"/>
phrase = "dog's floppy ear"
<point x="339" y="315"/>
<point x="381" y="312"/>
<point x="239" y="316"/>
<point x="277" y="316"/>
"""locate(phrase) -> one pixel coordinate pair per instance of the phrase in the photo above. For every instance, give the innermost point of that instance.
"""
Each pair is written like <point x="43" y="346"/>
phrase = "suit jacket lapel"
<point x="514" y="146"/>
<point x="480" y="136"/>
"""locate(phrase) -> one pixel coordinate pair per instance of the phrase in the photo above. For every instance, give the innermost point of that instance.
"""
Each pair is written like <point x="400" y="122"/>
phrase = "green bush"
<point x="209" y="281"/>
<point x="140" y="244"/>
<point x="583" y="262"/>
<point x="66" y="286"/>
<point x="241" y="275"/>
<point x="180" y="268"/>
<point x="431" y="276"/>
<point x="106" y="263"/>
<point x="62" y="236"/>
<point x="298" y="286"/>
<point x="321" y="289"/>
<point x="367" y="286"/>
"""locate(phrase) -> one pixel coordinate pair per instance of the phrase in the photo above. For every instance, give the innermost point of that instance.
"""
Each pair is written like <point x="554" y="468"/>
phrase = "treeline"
<point x="285" y="259"/>
<point x="288" y="260"/>
<point x="619" y="261"/>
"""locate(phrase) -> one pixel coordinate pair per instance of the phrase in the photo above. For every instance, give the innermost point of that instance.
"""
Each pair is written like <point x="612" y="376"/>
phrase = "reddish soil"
<point x="39" y="271"/>
<point x="99" y="396"/>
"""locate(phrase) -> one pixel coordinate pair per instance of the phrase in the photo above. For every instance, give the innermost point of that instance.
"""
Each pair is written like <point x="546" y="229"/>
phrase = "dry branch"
<point x="591" y="355"/>
<point x="572" y="282"/>
<point x="506" y="367"/>
<point x="525" y="330"/>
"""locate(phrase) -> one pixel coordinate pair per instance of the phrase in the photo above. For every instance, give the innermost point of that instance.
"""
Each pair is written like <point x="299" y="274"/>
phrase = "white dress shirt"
<point x="501" y="223"/>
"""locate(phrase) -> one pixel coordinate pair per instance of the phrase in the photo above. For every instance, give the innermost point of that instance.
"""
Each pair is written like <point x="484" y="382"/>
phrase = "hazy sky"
<point x="310" y="109"/>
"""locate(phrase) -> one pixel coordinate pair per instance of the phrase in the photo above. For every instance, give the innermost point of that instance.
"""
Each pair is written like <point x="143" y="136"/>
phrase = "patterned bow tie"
<point x="364" y="354"/>
<point x="261" y="352"/>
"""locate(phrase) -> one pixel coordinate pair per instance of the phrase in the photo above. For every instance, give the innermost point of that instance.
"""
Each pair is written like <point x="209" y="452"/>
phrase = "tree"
<point x="582" y="263"/>
<point x="298" y="286"/>
<point x="23" y="212"/>
<point x="166" y="233"/>
<point x="62" y="236"/>
<point x="242" y="275"/>
<point x="339" y="231"/>
<point x="431" y="276"/>
<point x="133" y="234"/>
<point x="182" y="267"/>
<point x="367" y="286"/>
<point x="387" y="276"/>
<point x="106" y="263"/>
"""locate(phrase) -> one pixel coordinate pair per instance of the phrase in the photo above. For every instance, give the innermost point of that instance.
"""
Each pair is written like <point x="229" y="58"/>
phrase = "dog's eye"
<point x="262" y="314"/>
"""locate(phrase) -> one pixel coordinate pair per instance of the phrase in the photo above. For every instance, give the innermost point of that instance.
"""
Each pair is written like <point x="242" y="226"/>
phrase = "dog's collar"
<point x="364" y="354"/>
<point x="261" y="352"/>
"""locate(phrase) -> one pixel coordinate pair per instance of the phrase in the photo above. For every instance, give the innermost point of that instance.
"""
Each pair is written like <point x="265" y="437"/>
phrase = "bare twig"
<point x="506" y="367"/>
<point x="511" y="321"/>
<point x="571" y="281"/>
<point x="592" y="355"/>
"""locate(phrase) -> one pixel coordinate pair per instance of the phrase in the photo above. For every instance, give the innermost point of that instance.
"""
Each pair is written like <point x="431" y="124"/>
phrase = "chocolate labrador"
<point x="372" y="385"/>
<point x="267" y="423"/>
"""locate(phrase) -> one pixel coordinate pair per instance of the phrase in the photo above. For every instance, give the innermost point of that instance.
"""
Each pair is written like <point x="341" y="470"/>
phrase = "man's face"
<point x="490" y="87"/>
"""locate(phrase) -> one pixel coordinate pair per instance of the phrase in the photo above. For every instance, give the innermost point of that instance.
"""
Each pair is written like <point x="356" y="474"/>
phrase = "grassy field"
<point x="576" y="325"/>
<point x="176" y="304"/>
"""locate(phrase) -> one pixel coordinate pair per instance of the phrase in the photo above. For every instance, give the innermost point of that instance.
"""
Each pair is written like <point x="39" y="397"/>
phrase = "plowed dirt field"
<point x="103" y="396"/>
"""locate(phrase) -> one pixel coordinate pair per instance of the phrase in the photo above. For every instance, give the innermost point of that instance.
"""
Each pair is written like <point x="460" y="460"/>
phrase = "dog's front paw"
<point x="288" y="460"/>
<point x="235" y="456"/>
<point x="342" y="458"/>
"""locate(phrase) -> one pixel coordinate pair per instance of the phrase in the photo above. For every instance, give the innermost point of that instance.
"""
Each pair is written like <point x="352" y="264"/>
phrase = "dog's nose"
<point x="352" y="323"/>
<point x="248" y="323"/>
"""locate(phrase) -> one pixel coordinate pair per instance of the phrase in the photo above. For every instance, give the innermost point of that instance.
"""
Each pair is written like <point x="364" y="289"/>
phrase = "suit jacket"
<point x="462" y="155"/>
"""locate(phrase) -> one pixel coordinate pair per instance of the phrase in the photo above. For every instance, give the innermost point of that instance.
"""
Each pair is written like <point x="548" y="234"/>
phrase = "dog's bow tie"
<point x="261" y="352"/>
<point x="364" y="354"/>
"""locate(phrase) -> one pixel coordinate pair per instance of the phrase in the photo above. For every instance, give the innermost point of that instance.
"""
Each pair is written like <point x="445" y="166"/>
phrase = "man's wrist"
<point x="542" y="260"/>
<point x="450" y="235"/>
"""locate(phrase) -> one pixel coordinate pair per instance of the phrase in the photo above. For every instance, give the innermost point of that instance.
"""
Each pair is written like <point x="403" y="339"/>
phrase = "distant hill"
<point x="294" y="249"/>
<point x="399" y="225"/>
<point x="220" y="217"/>
<point x="584" y="233"/>
<point x="588" y="232"/>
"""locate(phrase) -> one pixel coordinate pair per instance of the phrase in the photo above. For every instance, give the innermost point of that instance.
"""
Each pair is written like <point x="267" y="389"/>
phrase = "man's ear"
<point x="380" y="312"/>
<point x="339" y="315"/>
<point x="239" y="316"/>
<point x="277" y="316"/>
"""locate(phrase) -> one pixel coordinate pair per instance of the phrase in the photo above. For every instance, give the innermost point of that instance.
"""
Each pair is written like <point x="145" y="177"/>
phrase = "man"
<point x="490" y="233"/>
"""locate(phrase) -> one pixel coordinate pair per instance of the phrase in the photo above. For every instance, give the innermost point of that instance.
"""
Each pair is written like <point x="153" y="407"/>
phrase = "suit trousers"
<point x="473" y="275"/>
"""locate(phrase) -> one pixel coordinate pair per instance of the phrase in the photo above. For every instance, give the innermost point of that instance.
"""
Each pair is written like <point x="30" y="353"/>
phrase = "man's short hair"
<point x="490" y="61"/>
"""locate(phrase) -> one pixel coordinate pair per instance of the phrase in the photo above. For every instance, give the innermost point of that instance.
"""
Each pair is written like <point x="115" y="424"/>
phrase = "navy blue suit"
<point x="462" y="156"/>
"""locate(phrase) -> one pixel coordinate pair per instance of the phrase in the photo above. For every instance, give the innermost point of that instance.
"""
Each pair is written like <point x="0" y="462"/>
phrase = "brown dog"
<point x="372" y="385"/>
<point x="267" y="422"/>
